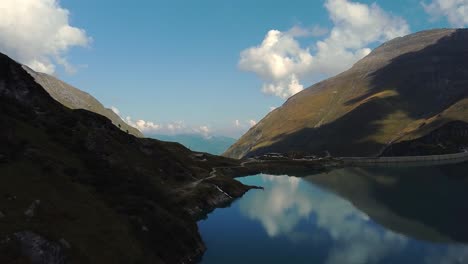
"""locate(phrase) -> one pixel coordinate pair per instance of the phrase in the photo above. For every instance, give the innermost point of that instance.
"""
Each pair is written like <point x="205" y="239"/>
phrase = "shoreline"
<point x="219" y="188"/>
<point x="306" y="167"/>
<point x="225" y="197"/>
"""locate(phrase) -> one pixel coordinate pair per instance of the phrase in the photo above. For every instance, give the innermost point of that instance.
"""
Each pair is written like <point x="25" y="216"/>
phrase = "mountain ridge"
<point x="75" y="98"/>
<point x="402" y="90"/>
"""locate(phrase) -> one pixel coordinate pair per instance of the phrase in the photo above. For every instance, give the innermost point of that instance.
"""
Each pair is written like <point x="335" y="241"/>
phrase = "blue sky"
<point x="178" y="61"/>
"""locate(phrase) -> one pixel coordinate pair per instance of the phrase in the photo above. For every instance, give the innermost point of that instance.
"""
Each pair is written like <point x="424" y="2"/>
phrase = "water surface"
<point x="353" y="215"/>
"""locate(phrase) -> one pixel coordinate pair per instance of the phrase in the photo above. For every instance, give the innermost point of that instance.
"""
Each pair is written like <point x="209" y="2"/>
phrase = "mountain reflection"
<point x="427" y="204"/>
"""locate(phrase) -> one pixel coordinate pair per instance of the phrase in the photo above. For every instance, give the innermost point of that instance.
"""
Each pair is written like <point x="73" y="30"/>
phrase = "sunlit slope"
<point x="74" y="98"/>
<point x="404" y="89"/>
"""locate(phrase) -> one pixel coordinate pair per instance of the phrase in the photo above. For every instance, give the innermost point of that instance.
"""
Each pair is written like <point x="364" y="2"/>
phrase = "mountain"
<point x="74" y="98"/>
<point x="215" y="145"/>
<point x="74" y="188"/>
<point x="402" y="91"/>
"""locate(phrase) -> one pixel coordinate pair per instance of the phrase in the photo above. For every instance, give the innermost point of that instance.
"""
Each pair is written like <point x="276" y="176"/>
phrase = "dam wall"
<point x="406" y="160"/>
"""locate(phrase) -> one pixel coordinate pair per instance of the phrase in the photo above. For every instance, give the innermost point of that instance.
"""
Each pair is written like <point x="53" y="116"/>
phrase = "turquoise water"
<point x="384" y="215"/>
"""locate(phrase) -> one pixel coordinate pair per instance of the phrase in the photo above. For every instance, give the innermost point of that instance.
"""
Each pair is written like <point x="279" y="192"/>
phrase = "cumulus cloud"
<point x="284" y="88"/>
<point x="147" y="126"/>
<point x="277" y="60"/>
<point x="315" y="31"/>
<point x="171" y="128"/>
<point x="245" y="125"/>
<point x="236" y="128"/>
<point x="455" y="11"/>
<point x="203" y="130"/>
<point x="252" y="122"/>
<point x="115" y="110"/>
<point x="281" y="62"/>
<point x="38" y="33"/>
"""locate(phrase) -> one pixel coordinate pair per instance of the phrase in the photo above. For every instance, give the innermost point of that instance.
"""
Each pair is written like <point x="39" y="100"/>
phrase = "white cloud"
<point x="245" y="125"/>
<point x="235" y="128"/>
<point x="203" y="130"/>
<point x="115" y="110"/>
<point x="315" y="31"/>
<point x="38" y="34"/>
<point x="456" y="11"/>
<point x="171" y="128"/>
<point x="278" y="60"/>
<point x="284" y="88"/>
<point x="281" y="62"/>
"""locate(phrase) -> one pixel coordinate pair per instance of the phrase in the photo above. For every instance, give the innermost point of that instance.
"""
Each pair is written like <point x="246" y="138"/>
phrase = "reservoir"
<point x="349" y="215"/>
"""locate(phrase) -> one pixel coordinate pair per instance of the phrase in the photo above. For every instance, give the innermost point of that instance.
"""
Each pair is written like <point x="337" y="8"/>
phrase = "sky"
<point x="209" y="67"/>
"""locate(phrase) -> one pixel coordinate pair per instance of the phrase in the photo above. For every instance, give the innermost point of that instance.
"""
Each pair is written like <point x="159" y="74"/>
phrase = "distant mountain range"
<point x="215" y="145"/>
<point x="408" y="97"/>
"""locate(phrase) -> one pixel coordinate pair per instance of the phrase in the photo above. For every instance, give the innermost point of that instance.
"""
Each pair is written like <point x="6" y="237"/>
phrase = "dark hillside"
<point x="76" y="187"/>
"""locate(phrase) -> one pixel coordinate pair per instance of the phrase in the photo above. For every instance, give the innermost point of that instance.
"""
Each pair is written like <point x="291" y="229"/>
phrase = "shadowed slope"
<point x="91" y="192"/>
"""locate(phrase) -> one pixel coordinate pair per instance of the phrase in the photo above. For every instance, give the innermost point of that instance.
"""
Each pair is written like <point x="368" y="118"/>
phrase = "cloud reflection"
<point x="286" y="201"/>
<point x="279" y="207"/>
<point x="454" y="255"/>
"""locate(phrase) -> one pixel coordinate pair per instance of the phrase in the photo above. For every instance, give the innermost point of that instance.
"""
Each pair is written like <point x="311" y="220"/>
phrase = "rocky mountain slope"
<point x="402" y="91"/>
<point x="76" y="189"/>
<point x="74" y="98"/>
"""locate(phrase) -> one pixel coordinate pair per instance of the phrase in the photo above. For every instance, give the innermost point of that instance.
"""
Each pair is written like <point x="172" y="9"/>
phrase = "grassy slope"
<point x="402" y="90"/>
